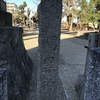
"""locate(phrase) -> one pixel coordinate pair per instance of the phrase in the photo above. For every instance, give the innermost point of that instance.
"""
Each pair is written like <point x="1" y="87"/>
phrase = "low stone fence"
<point x="15" y="65"/>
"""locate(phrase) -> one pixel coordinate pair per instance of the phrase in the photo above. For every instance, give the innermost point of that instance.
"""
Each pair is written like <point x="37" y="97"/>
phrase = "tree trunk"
<point x="71" y="24"/>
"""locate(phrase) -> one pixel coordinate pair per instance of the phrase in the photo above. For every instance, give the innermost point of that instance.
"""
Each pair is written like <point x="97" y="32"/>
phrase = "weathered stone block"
<point x="14" y="57"/>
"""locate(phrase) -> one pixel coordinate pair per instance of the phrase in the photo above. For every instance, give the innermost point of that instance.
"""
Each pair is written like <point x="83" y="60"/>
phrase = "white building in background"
<point x="11" y="7"/>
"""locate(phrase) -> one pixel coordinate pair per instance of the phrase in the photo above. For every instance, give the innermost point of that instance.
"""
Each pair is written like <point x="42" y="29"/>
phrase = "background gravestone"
<point x="92" y="82"/>
<point x="5" y="17"/>
<point x="49" y="84"/>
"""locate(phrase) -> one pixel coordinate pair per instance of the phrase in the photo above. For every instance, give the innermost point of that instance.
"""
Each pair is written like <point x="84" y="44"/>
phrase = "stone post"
<point x="92" y="83"/>
<point x="49" y="84"/>
<point x="88" y="85"/>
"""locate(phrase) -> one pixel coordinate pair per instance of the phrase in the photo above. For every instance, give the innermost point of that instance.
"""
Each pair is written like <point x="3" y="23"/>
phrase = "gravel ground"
<point x="73" y="55"/>
<point x="72" y="59"/>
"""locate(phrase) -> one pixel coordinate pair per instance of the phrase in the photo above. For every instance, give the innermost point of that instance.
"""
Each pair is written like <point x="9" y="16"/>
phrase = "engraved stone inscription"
<point x="48" y="61"/>
<point x="47" y="84"/>
<point x="50" y="42"/>
<point x="49" y="69"/>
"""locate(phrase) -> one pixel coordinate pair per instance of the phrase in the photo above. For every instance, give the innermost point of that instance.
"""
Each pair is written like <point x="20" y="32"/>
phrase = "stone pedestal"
<point x="49" y="84"/>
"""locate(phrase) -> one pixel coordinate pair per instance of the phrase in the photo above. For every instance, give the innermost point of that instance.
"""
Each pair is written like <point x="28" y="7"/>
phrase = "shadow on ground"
<point x="69" y="71"/>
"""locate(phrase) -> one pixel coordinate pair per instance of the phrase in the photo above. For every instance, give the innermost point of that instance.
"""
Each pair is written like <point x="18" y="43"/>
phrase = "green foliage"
<point x="94" y="15"/>
<point x="36" y="15"/>
<point x="22" y="6"/>
<point x="22" y="9"/>
<point x="85" y="11"/>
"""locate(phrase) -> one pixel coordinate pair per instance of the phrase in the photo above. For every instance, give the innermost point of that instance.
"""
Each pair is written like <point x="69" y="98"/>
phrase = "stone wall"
<point x="15" y="59"/>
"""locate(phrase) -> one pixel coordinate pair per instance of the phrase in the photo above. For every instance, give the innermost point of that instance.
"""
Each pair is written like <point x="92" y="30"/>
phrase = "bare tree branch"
<point x="36" y="2"/>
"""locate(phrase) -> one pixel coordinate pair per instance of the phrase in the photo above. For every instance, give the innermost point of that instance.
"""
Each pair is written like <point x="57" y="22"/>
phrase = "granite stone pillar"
<point x="92" y="83"/>
<point x="85" y="82"/>
<point x="49" y="84"/>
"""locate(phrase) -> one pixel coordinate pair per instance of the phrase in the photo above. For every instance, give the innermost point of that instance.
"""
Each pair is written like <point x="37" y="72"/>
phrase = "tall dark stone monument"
<point x="49" y="84"/>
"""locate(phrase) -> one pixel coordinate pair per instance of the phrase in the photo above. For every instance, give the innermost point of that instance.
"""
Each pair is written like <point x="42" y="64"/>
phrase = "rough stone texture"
<point x="49" y="84"/>
<point x="13" y="56"/>
<point x="82" y="79"/>
<point x="3" y="84"/>
<point x="92" y="84"/>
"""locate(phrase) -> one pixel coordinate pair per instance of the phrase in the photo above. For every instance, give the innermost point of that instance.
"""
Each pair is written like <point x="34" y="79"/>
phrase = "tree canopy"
<point x="22" y="8"/>
<point x="83" y="10"/>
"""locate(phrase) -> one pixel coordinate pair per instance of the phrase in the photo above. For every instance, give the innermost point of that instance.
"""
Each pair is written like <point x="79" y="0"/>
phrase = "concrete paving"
<point x="72" y="58"/>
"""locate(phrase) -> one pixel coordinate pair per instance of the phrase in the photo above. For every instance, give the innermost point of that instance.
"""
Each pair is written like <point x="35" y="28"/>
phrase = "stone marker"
<point x="92" y="84"/>
<point x="88" y="85"/>
<point x="49" y="84"/>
